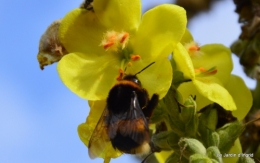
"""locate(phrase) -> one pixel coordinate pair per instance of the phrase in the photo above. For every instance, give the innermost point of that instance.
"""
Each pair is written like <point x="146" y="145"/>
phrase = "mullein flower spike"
<point x="110" y="41"/>
<point x="101" y="42"/>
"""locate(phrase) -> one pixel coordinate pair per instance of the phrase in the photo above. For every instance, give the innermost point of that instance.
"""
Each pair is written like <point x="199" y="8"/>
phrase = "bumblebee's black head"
<point x="132" y="78"/>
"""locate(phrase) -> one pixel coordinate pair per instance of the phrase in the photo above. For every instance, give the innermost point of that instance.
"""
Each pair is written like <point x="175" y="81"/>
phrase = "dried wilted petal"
<point x="50" y="48"/>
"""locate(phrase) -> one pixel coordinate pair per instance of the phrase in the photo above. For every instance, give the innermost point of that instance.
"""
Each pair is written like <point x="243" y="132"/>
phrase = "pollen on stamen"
<point x="110" y="41"/>
<point x="135" y="57"/>
<point x="108" y="44"/>
<point x="193" y="49"/>
<point x="123" y="39"/>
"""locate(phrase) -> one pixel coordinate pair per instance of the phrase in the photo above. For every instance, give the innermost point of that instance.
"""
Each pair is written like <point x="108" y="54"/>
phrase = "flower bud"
<point x="191" y="146"/>
<point x="207" y="125"/>
<point x="245" y="160"/>
<point x="228" y="134"/>
<point x="214" y="139"/>
<point x="188" y="112"/>
<point x="214" y="153"/>
<point x="189" y="117"/>
<point x="198" y="158"/>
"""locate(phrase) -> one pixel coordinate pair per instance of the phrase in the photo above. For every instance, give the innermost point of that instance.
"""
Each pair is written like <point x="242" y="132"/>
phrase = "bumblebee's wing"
<point x="94" y="133"/>
<point x="98" y="135"/>
<point x="131" y="124"/>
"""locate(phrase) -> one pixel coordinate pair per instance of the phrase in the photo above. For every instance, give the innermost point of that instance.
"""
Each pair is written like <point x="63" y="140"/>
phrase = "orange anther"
<point x="135" y="57"/>
<point x="201" y="69"/>
<point x="107" y="45"/>
<point x="194" y="48"/>
<point x="124" y="37"/>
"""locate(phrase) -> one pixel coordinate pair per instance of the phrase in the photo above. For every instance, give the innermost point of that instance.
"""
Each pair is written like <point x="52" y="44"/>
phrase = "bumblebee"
<point x="126" y="116"/>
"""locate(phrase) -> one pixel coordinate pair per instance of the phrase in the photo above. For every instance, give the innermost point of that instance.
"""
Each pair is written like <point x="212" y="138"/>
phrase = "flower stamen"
<point x="113" y="40"/>
<point x="123" y="39"/>
<point x="203" y="72"/>
<point x="110" y="40"/>
<point x="121" y="74"/>
<point x="108" y="44"/>
<point x="135" y="57"/>
<point x="193" y="49"/>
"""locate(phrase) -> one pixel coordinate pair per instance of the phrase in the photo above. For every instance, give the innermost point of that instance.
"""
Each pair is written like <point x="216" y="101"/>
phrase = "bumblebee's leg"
<point x="148" y="110"/>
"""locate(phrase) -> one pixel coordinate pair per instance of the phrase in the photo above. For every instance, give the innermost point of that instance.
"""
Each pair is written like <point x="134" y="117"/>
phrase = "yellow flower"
<point x="208" y="82"/>
<point x="103" y="43"/>
<point x="217" y="85"/>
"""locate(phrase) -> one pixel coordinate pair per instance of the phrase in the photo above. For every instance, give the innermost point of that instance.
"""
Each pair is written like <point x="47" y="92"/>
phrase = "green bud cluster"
<point x="193" y="136"/>
<point x="228" y="134"/>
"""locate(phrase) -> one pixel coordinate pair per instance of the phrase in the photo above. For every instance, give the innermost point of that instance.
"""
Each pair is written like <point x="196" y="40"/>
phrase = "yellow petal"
<point x="162" y="156"/>
<point x="157" y="78"/>
<point x="118" y="15"/>
<point x="160" y="27"/>
<point x="81" y="31"/>
<point x="89" y="77"/>
<point x="215" y="55"/>
<point x="212" y="89"/>
<point x="187" y="89"/>
<point x="186" y="38"/>
<point x="183" y="61"/>
<point x="96" y="110"/>
<point x="100" y="146"/>
<point x="241" y="95"/>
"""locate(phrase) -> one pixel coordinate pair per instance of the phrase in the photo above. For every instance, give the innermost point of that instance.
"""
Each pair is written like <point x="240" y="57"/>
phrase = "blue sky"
<point x="38" y="114"/>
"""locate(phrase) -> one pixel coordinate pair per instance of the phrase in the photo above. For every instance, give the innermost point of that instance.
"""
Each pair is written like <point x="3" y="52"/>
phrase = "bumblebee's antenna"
<point x="144" y="68"/>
